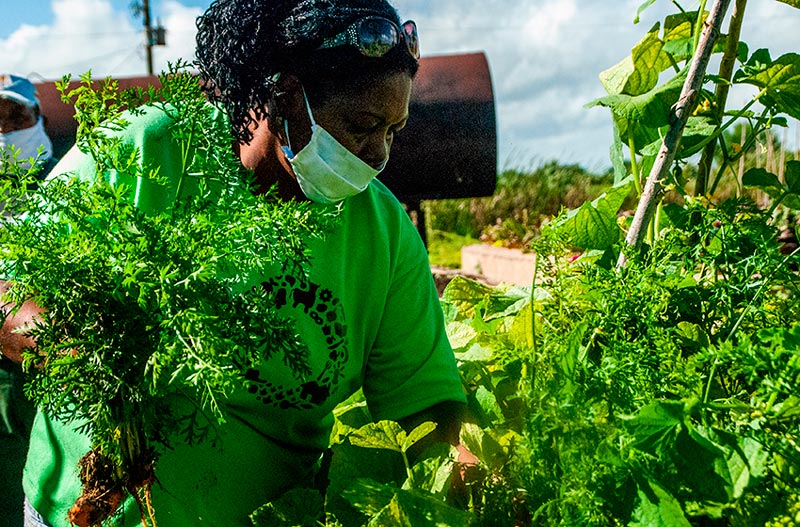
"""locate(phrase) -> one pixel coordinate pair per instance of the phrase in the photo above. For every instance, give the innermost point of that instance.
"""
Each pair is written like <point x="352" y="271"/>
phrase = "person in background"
<point x="22" y="125"/>
<point x="314" y="92"/>
<point x="21" y="130"/>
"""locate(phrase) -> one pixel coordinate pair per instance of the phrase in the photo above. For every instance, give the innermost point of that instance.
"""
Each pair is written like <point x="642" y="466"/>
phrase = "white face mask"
<point x="28" y="141"/>
<point x="326" y="171"/>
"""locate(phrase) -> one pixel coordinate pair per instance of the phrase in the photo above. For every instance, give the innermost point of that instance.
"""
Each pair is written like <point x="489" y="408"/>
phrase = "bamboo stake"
<point x="721" y="92"/>
<point x="654" y="188"/>
<point x="797" y="141"/>
<point x="782" y="158"/>
<point x="771" y="164"/>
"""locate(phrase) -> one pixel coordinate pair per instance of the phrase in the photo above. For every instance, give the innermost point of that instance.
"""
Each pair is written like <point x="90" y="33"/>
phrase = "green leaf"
<point x="389" y="435"/>
<point x="792" y="176"/>
<point x="449" y="311"/>
<point x="492" y="446"/>
<point x="568" y="360"/>
<point x="413" y="509"/>
<point x="521" y="332"/>
<point x="465" y="294"/>
<point x="433" y="473"/>
<point x="657" y="507"/>
<point x="702" y="465"/>
<point x="679" y="35"/>
<point x="655" y="426"/>
<point x="386" y="435"/>
<point x="692" y="332"/>
<point x="475" y="353"/>
<point x="368" y="496"/>
<point x="642" y="7"/>
<point x="760" y="178"/>
<point x="790" y="408"/>
<point x="638" y="73"/>
<point x="779" y="78"/>
<point x="487" y="401"/>
<point x="392" y="507"/>
<point x="651" y="109"/>
<point x="790" y="201"/>
<point x="678" y="216"/>
<point x="417" y="434"/>
<point x="742" y="52"/>
<point x="696" y="131"/>
<point x="296" y="507"/>
<point x="460" y="334"/>
<point x="793" y="3"/>
<point x="468" y="296"/>
<point x="512" y="309"/>
<point x="594" y="225"/>
<point x="748" y="461"/>
<point x="617" y="156"/>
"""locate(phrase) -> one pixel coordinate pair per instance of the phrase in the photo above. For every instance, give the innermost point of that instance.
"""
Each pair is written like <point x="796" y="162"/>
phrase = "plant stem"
<point x="711" y="376"/>
<point x="654" y="189"/>
<point x="745" y="147"/>
<point x="408" y="468"/>
<point x="739" y="114"/>
<point x="698" y="25"/>
<point x="184" y="163"/>
<point x="637" y="179"/>
<point x="533" y="305"/>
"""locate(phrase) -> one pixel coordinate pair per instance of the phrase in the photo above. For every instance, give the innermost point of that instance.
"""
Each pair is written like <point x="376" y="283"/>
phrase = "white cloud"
<point x="91" y="34"/>
<point x="179" y="21"/>
<point x="545" y="24"/>
<point x="544" y="55"/>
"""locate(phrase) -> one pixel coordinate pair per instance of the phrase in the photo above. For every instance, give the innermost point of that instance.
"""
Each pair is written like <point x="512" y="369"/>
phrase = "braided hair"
<point x="243" y="44"/>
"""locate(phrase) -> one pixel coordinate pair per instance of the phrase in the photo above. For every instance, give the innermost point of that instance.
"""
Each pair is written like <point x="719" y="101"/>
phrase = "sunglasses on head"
<point x="376" y="36"/>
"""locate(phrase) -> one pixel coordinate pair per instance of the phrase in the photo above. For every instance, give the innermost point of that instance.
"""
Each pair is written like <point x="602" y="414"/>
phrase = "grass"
<point x="444" y="248"/>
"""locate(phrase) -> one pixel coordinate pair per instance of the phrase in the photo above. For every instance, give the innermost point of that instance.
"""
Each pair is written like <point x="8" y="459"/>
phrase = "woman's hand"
<point x="13" y="334"/>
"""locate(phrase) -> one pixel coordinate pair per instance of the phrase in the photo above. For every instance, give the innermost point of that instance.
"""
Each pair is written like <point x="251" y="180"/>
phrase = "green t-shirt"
<point x="368" y="312"/>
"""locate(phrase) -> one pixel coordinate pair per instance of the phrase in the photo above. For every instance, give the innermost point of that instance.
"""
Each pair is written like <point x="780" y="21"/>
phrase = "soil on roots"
<point x="103" y="490"/>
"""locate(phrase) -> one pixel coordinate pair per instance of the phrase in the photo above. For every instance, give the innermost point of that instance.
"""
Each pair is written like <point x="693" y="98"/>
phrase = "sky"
<point x="544" y="55"/>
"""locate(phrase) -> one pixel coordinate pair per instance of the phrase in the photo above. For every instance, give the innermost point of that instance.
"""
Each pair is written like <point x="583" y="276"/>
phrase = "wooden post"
<point x="148" y="36"/>
<point x="654" y="189"/>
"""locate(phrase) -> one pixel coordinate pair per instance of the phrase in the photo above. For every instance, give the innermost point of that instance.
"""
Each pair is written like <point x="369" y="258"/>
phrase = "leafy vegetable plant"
<point x="149" y="315"/>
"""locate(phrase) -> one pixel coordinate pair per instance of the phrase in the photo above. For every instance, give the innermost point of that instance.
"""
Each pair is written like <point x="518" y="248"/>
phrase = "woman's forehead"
<point x="387" y="98"/>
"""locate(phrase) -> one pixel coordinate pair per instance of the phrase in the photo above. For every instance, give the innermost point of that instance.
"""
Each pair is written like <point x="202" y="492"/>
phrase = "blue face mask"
<point x="326" y="171"/>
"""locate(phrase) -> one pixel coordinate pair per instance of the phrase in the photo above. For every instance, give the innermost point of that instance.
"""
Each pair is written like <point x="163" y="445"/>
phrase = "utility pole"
<point x="148" y="36"/>
<point x="152" y="36"/>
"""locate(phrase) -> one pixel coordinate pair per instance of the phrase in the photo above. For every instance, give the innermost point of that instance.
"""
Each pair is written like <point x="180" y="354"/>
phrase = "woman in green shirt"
<point x="314" y="91"/>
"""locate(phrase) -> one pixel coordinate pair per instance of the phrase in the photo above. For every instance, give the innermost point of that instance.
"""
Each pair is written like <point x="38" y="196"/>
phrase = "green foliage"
<point x="513" y="215"/>
<point x="594" y="224"/>
<point x="444" y="248"/>
<point x="644" y="88"/>
<point x="367" y="487"/>
<point x="778" y="80"/>
<point x="661" y="394"/>
<point x="149" y="316"/>
<point x="787" y="192"/>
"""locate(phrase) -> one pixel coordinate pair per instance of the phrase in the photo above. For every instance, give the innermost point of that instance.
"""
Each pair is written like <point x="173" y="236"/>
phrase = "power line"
<point x="92" y="59"/>
<point x="135" y="51"/>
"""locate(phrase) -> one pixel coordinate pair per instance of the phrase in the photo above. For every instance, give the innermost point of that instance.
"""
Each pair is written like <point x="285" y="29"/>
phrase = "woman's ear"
<point x="289" y="106"/>
<point x="287" y="103"/>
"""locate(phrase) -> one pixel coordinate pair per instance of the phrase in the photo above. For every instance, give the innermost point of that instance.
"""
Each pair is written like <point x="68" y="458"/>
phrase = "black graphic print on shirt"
<point x="319" y="305"/>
